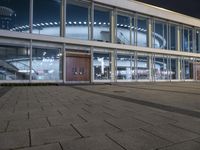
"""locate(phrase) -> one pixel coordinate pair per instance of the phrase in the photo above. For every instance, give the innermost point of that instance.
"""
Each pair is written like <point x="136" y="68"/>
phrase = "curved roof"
<point x="5" y="11"/>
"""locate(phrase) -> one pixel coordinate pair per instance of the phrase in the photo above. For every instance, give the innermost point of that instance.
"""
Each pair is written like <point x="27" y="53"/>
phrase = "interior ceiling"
<point x="187" y="7"/>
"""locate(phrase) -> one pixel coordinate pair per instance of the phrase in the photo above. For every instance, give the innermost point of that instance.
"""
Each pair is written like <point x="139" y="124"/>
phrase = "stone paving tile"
<point x="138" y="140"/>
<point x="52" y="134"/>
<point x="14" y="116"/>
<point x="197" y="140"/>
<point x="171" y="133"/>
<point x="3" y="125"/>
<point x="92" y="143"/>
<point x="28" y="124"/>
<point x="95" y="128"/>
<point x="11" y="140"/>
<point x="61" y="121"/>
<point x="54" y="146"/>
<point x="188" y="145"/>
<point x="127" y="123"/>
<point x="44" y="114"/>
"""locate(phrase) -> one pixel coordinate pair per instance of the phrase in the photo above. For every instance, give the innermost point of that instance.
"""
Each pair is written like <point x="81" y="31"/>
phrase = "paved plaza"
<point x="126" y="116"/>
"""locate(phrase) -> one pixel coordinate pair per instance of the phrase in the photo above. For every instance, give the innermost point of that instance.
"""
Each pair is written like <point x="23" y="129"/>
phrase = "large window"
<point x="123" y="29"/>
<point x="14" y="63"/>
<point x="102" y="66"/>
<point x="174" y="68"/>
<point x="172" y="37"/>
<point x="14" y="15"/>
<point x="187" y="39"/>
<point x="124" y="71"/>
<point x="46" y="17"/>
<point x="161" y="68"/>
<point x="142" y="67"/>
<point x="77" y="20"/>
<point x="46" y="64"/>
<point x="101" y="25"/>
<point x="142" y="29"/>
<point x="186" y="68"/>
<point x="198" y="41"/>
<point x="160" y="35"/>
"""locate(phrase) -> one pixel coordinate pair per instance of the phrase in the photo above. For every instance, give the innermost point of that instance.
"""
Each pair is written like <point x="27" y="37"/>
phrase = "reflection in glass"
<point x="142" y="32"/>
<point x="174" y="68"/>
<point x="142" y="67"/>
<point x="123" y="29"/>
<point x="161" y="68"/>
<point x="13" y="16"/>
<point x="187" y="69"/>
<point x="160" y="35"/>
<point x="102" y="66"/>
<point x="46" y="17"/>
<point x="14" y="63"/>
<point x="101" y="25"/>
<point x="77" y="20"/>
<point x="198" y="41"/>
<point x="46" y="64"/>
<point x="124" y="67"/>
<point x="173" y="37"/>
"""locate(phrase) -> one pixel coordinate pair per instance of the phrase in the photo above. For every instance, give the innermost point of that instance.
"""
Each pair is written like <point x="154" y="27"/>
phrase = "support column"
<point x="113" y="66"/>
<point x="91" y="21"/>
<point x="30" y="67"/>
<point x="179" y="49"/>
<point x="113" y="26"/>
<point x="64" y="63"/>
<point x="92" y="70"/>
<point x="149" y="38"/>
<point x="63" y="17"/>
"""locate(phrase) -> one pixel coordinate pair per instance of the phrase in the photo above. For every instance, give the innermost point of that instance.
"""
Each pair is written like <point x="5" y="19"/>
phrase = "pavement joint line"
<point x="59" y="112"/>
<point x="110" y="115"/>
<point x="143" y="121"/>
<point x="114" y="141"/>
<point x="156" y="135"/>
<point x="61" y="146"/>
<point x="197" y="140"/>
<point x="77" y="131"/>
<point x="168" y="108"/>
<point x="81" y="117"/>
<point x="176" y="126"/>
<point x="113" y="125"/>
<point x="86" y="110"/>
<point x="48" y="121"/>
<point x="148" y="89"/>
<point x="4" y="90"/>
<point x="28" y="115"/>
<point x="29" y="134"/>
<point x="8" y="123"/>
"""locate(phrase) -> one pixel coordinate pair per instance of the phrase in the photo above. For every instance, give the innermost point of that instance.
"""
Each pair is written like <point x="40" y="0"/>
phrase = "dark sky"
<point x="187" y="7"/>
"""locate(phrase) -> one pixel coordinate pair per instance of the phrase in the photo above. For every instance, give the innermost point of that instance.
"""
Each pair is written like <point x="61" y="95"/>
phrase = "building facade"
<point x="89" y="41"/>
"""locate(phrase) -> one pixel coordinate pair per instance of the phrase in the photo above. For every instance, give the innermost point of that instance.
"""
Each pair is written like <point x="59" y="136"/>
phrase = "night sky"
<point x="187" y="7"/>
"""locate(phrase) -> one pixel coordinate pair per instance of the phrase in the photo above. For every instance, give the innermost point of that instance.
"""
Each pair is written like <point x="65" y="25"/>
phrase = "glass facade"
<point x="187" y="39"/>
<point x="102" y="29"/>
<point x="46" y="17"/>
<point x="197" y="41"/>
<point x="142" y="68"/>
<point x="14" y="63"/>
<point x="46" y="64"/>
<point x="102" y="66"/>
<point x="142" y="28"/>
<point x="124" y="70"/>
<point x="13" y="16"/>
<point x="174" y="68"/>
<point x="77" y="18"/>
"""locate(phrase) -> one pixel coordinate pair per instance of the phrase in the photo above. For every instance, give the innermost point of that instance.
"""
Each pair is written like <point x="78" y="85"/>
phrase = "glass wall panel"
<point x="160" y="35"/>
<point x="77" y="20"/>
<point x="187" y="69"/>
<point x="187" y="39"/>
<point x="123" y="29"/>
<point x="124" y="67"/>
<point x="46" y="64"/>
<point x="172" y="37"/>
<point x="134" y="66"/>
<point x="14" y="15"/>
<point x="198" y="41"/>
<point x="142" y="67"/>
<point x="133" y="31"/>
<point x="14" y="63"/>
<point x="174" y="68"/>
<point x="161" y="68"/>
<point x="102" y="66"/>
<point x="142" y="31"/>
<point x="46" y="17"/>
<point x="101" y="25"/>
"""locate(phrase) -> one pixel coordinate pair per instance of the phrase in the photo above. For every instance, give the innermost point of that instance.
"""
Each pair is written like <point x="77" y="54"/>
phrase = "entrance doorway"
<point x="78" y="67"/>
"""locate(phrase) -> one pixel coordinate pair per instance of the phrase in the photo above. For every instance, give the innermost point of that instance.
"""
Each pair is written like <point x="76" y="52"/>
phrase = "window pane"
<point x="14" y="63"/>
<point x="101" y="25"/>
<point x="191" y="40"/>
<point x="142" y="32"/>
<point x="161" y="68"/>
<point x="77" y="20"/>
<point x="124" y="67"/>
<point x="102" y="66"/>
<point x="14" y="15"/>
<point x="198" y="41"/>
<point x="186" y="40"/>
<point x="142" y="67"/>
<point x="46" y="17"/>
<point x="188" y="69"/>
<point x="174" y="68"/>
<point x="46" y="64"/>
<point x="123" y="29"/>
<point x="173" y="37"/>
